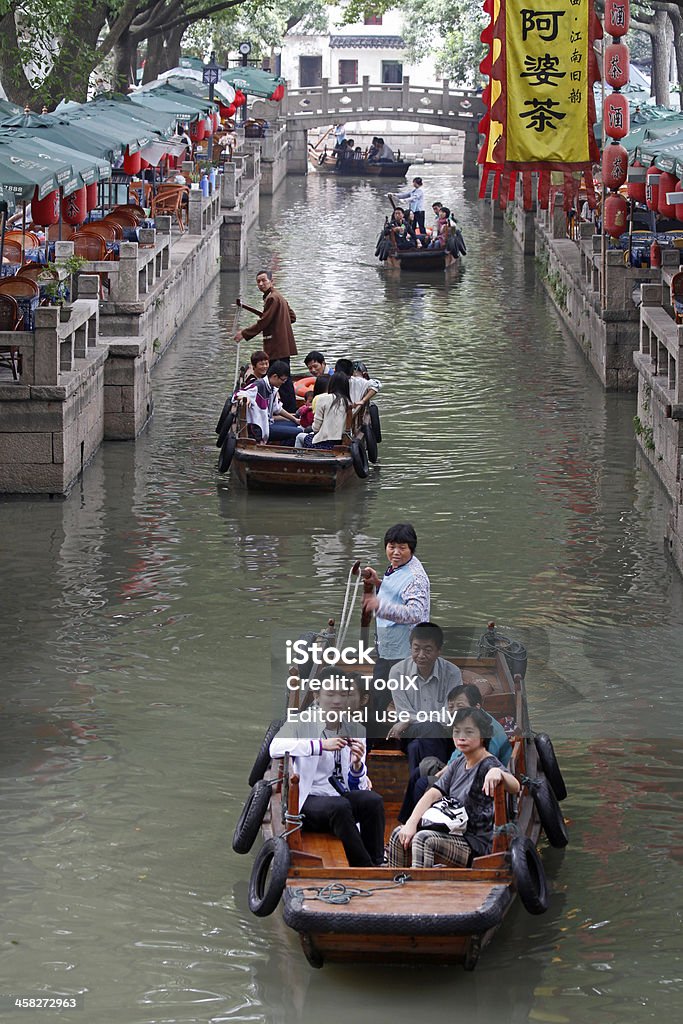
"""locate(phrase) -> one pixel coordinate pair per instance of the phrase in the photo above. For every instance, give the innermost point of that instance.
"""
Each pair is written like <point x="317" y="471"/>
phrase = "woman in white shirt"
<point x="331" y="408"/>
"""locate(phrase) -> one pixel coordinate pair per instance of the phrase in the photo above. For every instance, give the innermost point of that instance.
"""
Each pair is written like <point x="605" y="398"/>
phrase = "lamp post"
<point x="245" y="50"/>
<point x="210" y="75"/>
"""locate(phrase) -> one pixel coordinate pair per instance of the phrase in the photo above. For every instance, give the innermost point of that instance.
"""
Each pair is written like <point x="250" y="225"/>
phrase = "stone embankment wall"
<point x="623" y="319"/>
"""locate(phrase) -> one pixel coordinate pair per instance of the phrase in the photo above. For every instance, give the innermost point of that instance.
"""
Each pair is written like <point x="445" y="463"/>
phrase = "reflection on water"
<point x="136" y="628"/>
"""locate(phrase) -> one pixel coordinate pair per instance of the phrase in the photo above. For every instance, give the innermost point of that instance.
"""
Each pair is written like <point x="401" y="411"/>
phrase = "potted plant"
<point x="59" y="285"/>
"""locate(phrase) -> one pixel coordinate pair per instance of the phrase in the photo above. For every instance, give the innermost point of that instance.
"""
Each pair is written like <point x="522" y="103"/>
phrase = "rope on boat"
<point x="297" y="822"/>
<point x="510" y="828"/>
<point x="345" y="622"/>
<point x="337" y="894"/>
<point x="526" y="780"/>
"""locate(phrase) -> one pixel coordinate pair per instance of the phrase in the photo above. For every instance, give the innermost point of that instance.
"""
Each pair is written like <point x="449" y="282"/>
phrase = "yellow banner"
<point x="548" y="83"/>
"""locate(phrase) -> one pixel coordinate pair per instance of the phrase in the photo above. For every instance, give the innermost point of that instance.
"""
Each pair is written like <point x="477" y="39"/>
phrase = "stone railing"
<point x="61" y="336"/>
<point x="203" y="210"/>
<point x="273" y="144"/>
<point x="231" y="181"/>
<point x="396" y="101"/>
<point x="139" y="266"/>
<point x="661" y="343"/>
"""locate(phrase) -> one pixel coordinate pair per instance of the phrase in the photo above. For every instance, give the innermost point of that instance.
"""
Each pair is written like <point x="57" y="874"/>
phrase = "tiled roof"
<point x="367" y="42"/>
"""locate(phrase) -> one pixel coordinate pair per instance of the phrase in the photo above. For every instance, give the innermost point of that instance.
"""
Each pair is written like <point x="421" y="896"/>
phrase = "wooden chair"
<point x="37" y="272"/>
<point x="13" y="252"/>
<point x="19" y="287"/>
<point x="89" y="247"/>
<point x="170" y="204"/>
<point x="677" y="296"/>
<point x="101" y="229"/>
<point x="141" y="193"/>
<point x="26" y="239"/>
<point x="10" y="320"/>
<point x="130" y="216"/>
<point x="68" y="230"/>
<point x="111" y="222"/>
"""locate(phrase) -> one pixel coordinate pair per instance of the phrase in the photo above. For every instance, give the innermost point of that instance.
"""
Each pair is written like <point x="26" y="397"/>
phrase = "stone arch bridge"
<point x="444" y="107"/>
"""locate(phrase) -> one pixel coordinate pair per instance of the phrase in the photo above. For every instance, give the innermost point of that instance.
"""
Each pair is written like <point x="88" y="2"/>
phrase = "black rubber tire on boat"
<point x="359" y="457"/>
<point x="529" y="875"/>
<point x="550" y="814"/>
<point x="548" y="761"/>
<point x="224" y="412"/>
<point x="262" y="761"/>
<point x="250" y="819"/>
<point x="321" y="159"/>
<point x="225" y="429"/>
<point x="370" y="442"/>
<point x="226" y="453"/>
<point x="374" y="420"/>
<point x="269" y="876"/>
<point x="460" y="242"/>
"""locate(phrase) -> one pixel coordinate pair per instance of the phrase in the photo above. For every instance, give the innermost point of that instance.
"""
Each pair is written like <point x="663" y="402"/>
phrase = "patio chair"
<point x="10" y="320"/>
<point x="101" y="229"/>
<point x="13" y="252"/>
<point x="170" y="203"/>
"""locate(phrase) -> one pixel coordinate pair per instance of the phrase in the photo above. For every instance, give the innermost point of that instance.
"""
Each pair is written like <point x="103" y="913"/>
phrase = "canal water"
<point x="136" y="626"/>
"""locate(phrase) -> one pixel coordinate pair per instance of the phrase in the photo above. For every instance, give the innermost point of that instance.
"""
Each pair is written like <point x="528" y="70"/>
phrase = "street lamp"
<point x="244" y="50"/>
<point x="210" y="75"/>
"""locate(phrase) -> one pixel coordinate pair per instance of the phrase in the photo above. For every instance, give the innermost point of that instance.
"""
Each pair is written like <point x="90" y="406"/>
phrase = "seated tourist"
<point x="315" y="363"/>
<point x="266" y="419"/>
<point x="470" y="782"/>
<point x="320" y="388"/>
<point x="329" y="421"/>
<point x="306" y="411"/>
<point x="422" y="684"/>
<point x="258" y="366"/>
<point x="402" y="235"/>
<point x="361" y="388"/>
<point x="385" y="153"/>
<point x="373" y="150"/>
<point x="334" y="790"/>
<point x="432" y="767"/>
<point x="441" y="230"/>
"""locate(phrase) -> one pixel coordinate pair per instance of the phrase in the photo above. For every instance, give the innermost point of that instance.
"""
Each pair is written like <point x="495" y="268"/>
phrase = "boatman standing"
<point x="275" y="323"/>
<point x="402" y="601"/>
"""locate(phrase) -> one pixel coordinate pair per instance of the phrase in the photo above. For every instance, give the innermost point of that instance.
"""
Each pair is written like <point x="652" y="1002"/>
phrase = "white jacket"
<point x="302" y="740"/>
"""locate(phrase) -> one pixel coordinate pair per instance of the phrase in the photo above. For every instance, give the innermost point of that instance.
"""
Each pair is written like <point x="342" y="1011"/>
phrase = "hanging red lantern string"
<point x="667" y="183"/>
<point x="240" y="99"/>
<point x="198" y="130"/>
<point x="75" y="207"/>
<point x="636" y="182"/>
<point x="132" y="162"/>
<point x="91" y="196"/>
<point x="45" y="211"/>
<point x="615" y="116"/>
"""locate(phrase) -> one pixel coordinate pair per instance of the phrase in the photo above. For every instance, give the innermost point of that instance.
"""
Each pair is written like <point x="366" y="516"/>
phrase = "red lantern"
<point x="231" y="110"/>
<point x="45" y="211"/>
<point x="240" y="99"/>
<point x="614" y="165"/>
<point x="144" y="164"/>
<point x="224" y="110"/>
<point x="616" y="65"/>
<point x="667" y="183"/>
<point x="91" y="196"/>
<point x="679" y="206"/>
<point x="198" y="130"/>
<point x="615" y="116"/>
<point x="132" y="162"/>
<point x="636" y="187"/>
<point x="280" y="90"/>
<point x="652" y="188"/>
<point x="75" y="207"/>
<point x="617" y="17"/>
<point x="614" y="214"/>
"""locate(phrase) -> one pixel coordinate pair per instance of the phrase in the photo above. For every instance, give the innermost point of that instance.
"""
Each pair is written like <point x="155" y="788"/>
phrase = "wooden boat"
<point x="439" y="915"/>
<point x="326" y="163"/>
<point x="428" y="260"/>
<point x="281" y="467"/>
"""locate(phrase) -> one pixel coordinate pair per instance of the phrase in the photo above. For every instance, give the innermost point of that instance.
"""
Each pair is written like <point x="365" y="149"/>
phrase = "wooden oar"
<point x="235" y="328"/>
<point x="321" y="139"/>
<point x="259" y="312"/>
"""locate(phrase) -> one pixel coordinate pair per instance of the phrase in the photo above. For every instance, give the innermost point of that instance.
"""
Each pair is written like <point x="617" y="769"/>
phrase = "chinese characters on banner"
<point x="541" y="111"/>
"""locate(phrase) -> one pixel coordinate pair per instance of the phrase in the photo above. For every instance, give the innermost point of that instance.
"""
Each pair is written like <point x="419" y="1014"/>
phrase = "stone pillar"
<point x="47" y="355"/>
<point x="195" y="203"/>
<point x="163" y="228"/>
<point x="559" y="218"/>
<point x="128" y="283"/>
<point x="470" y="167"/>
<point x="229" y="186"/>
<point x="297" y="150"/>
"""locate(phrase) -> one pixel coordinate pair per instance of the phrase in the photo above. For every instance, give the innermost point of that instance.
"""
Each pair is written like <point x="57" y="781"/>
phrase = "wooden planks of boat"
<point x="422" y="260"/>
<point x="260" y="467"/>
<point x="439" y="915"/>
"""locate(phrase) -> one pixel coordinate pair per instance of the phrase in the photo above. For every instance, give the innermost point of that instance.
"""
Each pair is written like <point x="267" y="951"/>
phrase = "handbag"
<point x="445" y="816"/>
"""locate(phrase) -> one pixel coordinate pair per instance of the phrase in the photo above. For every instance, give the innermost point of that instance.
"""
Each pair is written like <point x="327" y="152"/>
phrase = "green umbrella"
<point x="20" y="175"/>
<point x="88" y="168"/>
<point x="157" y="121"/>
<point x="56" y="128"/>
<point x="7" y="197"/>
<point x="106" y="116"/>
<point x="183" y="108"/>
<point x="252" y="81"/>
<point x="667" y="153"/>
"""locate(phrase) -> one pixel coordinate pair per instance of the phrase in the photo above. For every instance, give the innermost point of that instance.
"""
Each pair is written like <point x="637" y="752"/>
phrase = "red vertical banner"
<point x="541" y="111"/>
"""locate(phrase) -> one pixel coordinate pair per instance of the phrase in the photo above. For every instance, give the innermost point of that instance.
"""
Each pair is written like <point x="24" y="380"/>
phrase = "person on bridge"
<point x="275" y="324"/>
<point x="416" y="203"/>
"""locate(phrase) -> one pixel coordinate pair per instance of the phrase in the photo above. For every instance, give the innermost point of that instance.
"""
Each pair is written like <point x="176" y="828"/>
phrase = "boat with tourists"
<point x="327" y="162"/>
<point x="435" y="915"/>
<point x="261" y="466"/>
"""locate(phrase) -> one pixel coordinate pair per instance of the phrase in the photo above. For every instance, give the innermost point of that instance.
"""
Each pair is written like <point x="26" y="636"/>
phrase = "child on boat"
<point x="470" y="782"/>
<point x="329" y="757"/>
<point x="306" y="411"/>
